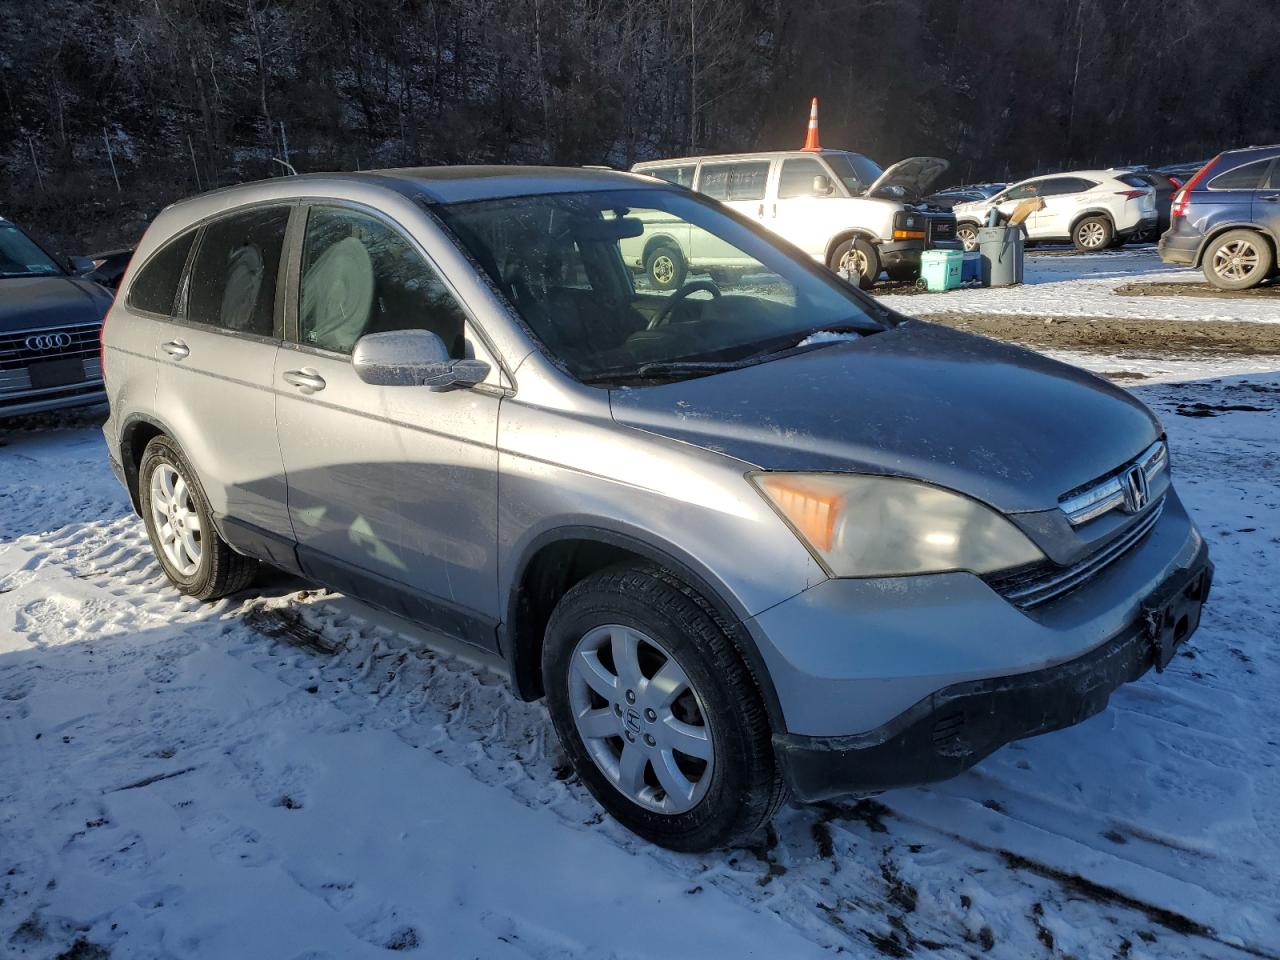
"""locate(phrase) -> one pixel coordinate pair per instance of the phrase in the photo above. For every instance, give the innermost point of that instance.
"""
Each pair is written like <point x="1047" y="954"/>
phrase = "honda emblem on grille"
<point x="1136" y="489"/>
<point x="48" y="341"/>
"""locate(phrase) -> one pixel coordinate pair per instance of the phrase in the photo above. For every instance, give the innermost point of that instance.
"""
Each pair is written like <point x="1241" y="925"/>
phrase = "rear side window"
<point x="360" y="276"/>
<point x="1133" y="180"/>
<point x="680" y="176"/>
<point x="1248" y="176"/>
<point x="734" y="181"/>
<point x="796" y="179"/>
<point x="156" y="285"/>
<point x="233" y="278"/>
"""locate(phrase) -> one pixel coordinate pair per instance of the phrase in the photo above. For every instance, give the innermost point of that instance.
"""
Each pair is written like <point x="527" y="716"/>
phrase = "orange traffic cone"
<point x="811" y="141"/>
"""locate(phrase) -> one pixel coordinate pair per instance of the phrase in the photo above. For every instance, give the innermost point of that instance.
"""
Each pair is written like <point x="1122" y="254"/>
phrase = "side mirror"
<point x="412" y="358"/>
<point x="822" y="186"/>
<point x="81" y="265"/>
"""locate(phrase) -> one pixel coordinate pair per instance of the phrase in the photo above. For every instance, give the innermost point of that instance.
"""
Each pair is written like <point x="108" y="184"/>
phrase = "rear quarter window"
<point x="734" y="181"/>
<point x="1248" y="176"/>
<point x="156" y="286"/>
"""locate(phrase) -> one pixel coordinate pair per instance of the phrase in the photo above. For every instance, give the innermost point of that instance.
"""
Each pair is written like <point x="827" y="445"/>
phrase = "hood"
<point x="915" y="175"/>
<point x="1006" y="426"/>
<point x="28" y="303"/>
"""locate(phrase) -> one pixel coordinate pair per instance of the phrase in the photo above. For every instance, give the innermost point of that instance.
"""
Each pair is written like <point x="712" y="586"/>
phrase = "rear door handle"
<point x="306" y="380"/>
<point x="176" y="349"/>
<point x="1273" y="198"/>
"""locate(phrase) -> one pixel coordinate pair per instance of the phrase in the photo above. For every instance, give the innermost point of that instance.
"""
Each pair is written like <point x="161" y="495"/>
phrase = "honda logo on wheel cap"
<point x="48" y="341"/>
<point x="1136" y="489"/>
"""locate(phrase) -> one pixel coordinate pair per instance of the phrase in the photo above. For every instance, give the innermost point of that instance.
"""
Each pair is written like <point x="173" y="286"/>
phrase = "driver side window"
<point x="1021" y="192"/>
<point x="360" y="275"/>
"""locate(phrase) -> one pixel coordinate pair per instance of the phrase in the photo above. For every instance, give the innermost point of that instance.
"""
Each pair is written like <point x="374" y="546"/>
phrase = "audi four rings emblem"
<point x="48" y="341"/>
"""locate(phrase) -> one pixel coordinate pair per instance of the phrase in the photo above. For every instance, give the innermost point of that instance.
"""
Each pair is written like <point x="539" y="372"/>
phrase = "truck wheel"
<point x="1092" y="233"/>
<point x="860" y="257"/>
<point x="1237" y="260"/>
<point x="967" y="233"/>
<point x="666" y="266"/>
<point x="658" y="714"/>
<point x="179" y="523"/>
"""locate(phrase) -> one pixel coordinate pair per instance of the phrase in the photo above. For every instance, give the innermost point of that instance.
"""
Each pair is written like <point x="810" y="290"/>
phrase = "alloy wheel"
<point x="1091" y="234"/>
<point x="1236" y="260"/>
<point x="663" y="269"/>
<point x="176" y="521"/>
<point x="641" y="719"/>
<point x="969" y="237"/>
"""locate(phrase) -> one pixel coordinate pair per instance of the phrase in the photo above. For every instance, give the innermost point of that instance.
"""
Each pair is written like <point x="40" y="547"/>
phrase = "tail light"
<point x="1176" y="182"/>
<point x="1131" y="194"/>
<point x="1183" y="196"/>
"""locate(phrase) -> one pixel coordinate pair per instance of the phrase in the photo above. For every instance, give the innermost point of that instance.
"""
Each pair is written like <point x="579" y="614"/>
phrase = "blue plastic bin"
<point x="972" y="269"/>
<point x="941" y="268"/>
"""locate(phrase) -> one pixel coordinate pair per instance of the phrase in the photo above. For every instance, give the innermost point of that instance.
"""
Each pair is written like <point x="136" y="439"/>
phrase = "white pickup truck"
<point x="837" y="206"/>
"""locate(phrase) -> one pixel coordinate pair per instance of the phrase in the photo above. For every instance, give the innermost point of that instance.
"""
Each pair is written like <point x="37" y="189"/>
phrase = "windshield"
<point x="630" y="284"/>
<point x="854" y="170"/>
<point x="20" y="257"/>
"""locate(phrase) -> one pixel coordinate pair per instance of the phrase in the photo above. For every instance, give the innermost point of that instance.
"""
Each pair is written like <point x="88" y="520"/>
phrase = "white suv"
<point x="1093" y="209"/>
<point x="836" y="206"/>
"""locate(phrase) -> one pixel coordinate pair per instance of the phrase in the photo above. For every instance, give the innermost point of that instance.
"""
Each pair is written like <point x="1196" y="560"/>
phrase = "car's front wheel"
<point x="857" y="258"/>
<point x="1237" y="260"/>
<point x="666" y="266"/>
<point x="658" y="714"/>
<point x="179" y="522"/>
<point x="1092" y="233"/>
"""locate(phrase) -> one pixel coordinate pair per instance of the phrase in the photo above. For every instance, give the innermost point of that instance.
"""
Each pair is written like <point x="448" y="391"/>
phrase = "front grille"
<point x="16" y="354"/>
<point x="942" y="228"/>
<point x="1045" y="582"/>
<point x="1108" y="493"/>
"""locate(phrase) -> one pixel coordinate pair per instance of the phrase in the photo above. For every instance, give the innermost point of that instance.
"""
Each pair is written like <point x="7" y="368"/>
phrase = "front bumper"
<point x="20" y="403"/>
<point x="897" y="253"/>
<point x="954" y="728"/>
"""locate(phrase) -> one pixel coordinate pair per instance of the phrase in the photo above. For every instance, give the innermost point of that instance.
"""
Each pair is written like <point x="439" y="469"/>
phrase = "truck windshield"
<point x="618" y="284"/>
<point x="854" y="170"/>
<point x="21" y="257"/>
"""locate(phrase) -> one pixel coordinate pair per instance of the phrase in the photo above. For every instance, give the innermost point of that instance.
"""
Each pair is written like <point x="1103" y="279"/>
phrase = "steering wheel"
<point x="693" y="286"/>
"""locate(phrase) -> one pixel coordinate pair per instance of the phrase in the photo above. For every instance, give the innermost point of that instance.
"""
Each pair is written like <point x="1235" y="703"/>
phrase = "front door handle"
<point x="306" y="380"/>
<point x="1273" y="198"/>
<point x="176" y="349"/>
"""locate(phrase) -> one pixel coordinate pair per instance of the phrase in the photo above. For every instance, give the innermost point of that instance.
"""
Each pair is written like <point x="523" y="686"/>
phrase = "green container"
<point x="941" y="268"/>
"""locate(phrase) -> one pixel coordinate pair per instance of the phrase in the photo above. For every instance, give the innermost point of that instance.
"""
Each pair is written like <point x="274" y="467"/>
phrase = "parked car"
<point x="1091" y="208"/>
<point x="779" y="539"/>
<point x="107" y="268"/>
<point x="836" y="206"/>
<point x="1183" y="171"/>
<point x="1226" y="219"/>
<point x="1164" y="186"/>
<point x="947" y="199"/>
<point x="50" y="322"/>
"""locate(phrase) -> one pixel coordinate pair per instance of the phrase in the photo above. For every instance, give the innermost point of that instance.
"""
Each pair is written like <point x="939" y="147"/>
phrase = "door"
<point x="392" y="490"/>
<point x="216" y="364"/>
<point x="808" y="217"/>
<point x="1266" y="201"/>
<point x="1235" y="194"/>
<point x="1061" y="201"/>
<point x="741" y="185"/>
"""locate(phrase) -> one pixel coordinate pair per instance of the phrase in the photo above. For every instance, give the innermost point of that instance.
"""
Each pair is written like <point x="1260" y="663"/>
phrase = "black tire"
<point x="220" y="571"/>
<point x="967" y="234"/>
<point x="867" y="256"/>
<point x="1118" y="242"/>
<point x="1223" y="273"/>
<point x="1092" y="233"/>
<point x="665" y="266"/>
<point x="746" y="787"/>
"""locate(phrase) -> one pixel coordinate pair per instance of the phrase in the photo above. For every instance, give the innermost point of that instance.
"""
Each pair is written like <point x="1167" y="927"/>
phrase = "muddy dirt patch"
<point x="1267" y="291"/>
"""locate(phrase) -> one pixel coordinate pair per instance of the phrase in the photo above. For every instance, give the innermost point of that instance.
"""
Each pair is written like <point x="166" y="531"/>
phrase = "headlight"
<point x="864" y="526"/>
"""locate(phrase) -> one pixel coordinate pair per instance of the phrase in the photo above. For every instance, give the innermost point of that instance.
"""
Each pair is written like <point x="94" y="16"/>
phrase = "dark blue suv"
<point x="1226" y="219"/>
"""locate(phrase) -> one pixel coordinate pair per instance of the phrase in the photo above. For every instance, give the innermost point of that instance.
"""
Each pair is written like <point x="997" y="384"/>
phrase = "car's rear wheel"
<point x="179" y="522"/>
<point x="967" y="233"/>
<point x="666" y="266"/>
<point x="857" y="258"/>
<point x="1238" y="260"/>
<point x="658" y="714"/>
<point x="1092" y="233"/>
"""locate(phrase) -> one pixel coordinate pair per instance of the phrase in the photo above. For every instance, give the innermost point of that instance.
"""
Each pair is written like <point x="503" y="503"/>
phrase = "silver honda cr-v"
<point x="749" y="537"/>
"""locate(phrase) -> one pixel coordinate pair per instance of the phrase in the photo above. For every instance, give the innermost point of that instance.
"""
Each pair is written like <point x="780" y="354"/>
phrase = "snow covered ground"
<point x="1059" y="284"/>
<point x="289" y="775"/>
